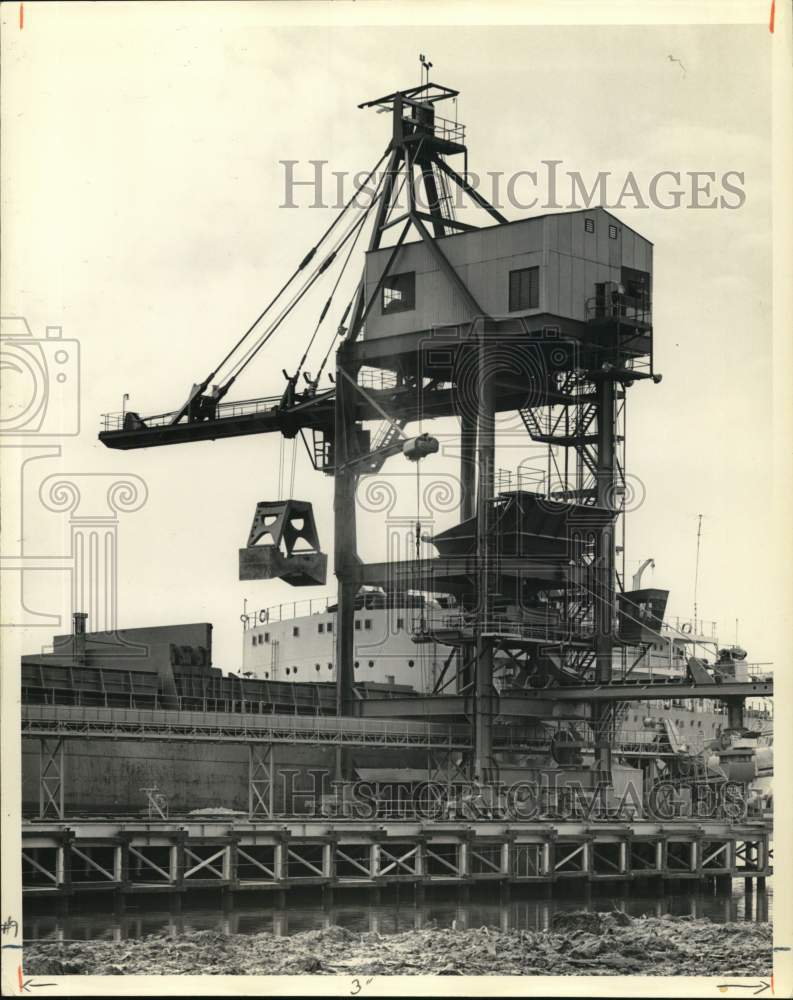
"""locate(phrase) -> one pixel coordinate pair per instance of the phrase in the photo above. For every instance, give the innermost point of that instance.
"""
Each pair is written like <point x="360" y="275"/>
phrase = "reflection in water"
<point x="397" y="911"/>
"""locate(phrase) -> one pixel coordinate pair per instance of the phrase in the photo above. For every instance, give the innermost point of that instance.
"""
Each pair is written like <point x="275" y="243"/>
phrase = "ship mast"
<point x="696" y="577"/>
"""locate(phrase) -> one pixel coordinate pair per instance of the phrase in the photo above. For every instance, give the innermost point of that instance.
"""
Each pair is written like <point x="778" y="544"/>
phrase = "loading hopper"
<point x="283" y="544"/>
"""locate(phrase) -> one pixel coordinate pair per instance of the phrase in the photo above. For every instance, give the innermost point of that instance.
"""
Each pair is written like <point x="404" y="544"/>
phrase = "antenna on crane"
<point x="426" y="66"/>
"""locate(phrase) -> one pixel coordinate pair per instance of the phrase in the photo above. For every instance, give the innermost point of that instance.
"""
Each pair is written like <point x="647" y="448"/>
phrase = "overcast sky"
<point x="143" y="187"/>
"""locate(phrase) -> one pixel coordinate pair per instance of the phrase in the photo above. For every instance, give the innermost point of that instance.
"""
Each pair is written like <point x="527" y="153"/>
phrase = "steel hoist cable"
<point x="292" y="474"/>
<point x="301" y="266"/>
<point x="281" y="468"/>
<point x="340" y="328"/>
<point x="418" y="579"/>
<point x="242" y="363"/>
<point x="326" y="307"/>
<point x="358" y="228"/>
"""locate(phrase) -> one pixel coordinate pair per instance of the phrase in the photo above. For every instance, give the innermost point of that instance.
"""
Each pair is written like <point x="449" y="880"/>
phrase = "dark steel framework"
<point x="579" y="386"/>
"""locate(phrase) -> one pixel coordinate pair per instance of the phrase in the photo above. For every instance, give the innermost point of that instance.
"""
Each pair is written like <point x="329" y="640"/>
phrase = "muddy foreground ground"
<point x="576" y="944"/>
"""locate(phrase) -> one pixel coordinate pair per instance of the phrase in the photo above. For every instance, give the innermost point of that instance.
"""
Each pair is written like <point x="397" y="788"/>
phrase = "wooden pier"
<point x="181" y="854"/>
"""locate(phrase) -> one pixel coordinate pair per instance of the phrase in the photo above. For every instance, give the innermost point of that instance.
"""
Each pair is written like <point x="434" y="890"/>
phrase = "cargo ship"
<point x="288" y="670"/>
<point x="399" y="647"/>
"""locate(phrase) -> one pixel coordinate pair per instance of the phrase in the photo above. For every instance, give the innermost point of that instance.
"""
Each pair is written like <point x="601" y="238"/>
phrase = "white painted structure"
<point x="287" y="644"/>
<point x="572" y="251"/>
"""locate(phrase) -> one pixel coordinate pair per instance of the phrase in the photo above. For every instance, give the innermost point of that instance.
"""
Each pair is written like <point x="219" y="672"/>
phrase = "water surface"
<point x="397" y="911"/>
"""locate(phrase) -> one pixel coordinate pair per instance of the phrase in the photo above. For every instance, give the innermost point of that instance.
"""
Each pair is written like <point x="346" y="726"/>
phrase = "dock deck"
<point x="185" y="853"/>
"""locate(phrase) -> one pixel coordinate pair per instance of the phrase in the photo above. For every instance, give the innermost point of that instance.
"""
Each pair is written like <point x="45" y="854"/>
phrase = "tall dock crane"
<point x="549" y="317"/>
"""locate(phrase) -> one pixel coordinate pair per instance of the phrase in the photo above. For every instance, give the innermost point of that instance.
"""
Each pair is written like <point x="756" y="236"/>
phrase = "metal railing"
<point x="365" y="601"/>
<point x="530" y="480"/>
<point x="232" y="726"/>
<point x="287" y="612"/>
<point x="237" y="408"/>
<point x="624" y="307"/>
<point x="167" y="724"/>
<point x="377" y="378"/>
<point x="685" y="628"/>
<point x="441" y="128"/>
<point x="449" y="130"/>
<point x="652" y="741"/>
<point x="550" y="630"/>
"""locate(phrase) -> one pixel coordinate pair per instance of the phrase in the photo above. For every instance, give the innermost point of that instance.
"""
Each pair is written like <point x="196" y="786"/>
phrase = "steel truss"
<point x="260" y="780"/>
<point x="51" y="775"/>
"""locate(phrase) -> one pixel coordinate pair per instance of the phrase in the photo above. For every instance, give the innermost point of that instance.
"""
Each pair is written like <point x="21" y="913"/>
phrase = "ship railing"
<point x="284" y="726"/>
<point x="653" y="738"/>
<point x="754" y="714"/>
<point x="759" y="669"/>
<point x="684" y="628"/>
<point x="659" y="673"/>
<point x="287" y="611"/>
<point x="365" y="601"/>
<point x="301" y="729"/>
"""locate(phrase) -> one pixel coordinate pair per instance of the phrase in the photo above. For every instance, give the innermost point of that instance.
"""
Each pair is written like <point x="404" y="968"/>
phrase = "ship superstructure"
<point x="295" y="642"/>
